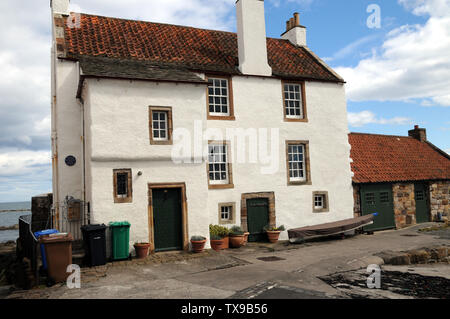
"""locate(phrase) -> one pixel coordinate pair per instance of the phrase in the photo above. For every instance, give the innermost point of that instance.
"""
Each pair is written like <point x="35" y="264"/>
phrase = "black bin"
<point x="94" y="242"/>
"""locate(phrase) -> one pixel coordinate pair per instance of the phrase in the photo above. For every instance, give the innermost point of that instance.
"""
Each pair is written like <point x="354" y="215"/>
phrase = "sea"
<point x="11" y="218"/>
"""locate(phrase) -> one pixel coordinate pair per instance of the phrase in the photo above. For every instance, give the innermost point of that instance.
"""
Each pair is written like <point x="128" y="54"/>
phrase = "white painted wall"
<point x="296" y="35"/>
<point x="119" y="138"/>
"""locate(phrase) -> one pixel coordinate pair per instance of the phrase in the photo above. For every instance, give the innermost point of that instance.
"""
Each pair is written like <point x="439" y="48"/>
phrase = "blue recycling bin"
<point x="43" y="233"/>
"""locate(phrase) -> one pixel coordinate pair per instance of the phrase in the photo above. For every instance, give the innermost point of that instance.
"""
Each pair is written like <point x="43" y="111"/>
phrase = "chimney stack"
<point x="295" y="32"/>
<point x="60" y="6"/>
<point x="252" y="41"/>
<point x="419" y="134"/>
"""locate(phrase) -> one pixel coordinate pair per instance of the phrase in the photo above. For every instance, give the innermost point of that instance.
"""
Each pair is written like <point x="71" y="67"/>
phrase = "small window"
<point x="384" y="197"/>
<point x="219" y="166"/>
<point x="320" y="202"/>
<point x="297" y="162"/>
<point x="219" y="98"/>
<point x="420" y="195"/>
<point x="370" y="198"/>
<point x="294" y="102"/>
<point x="160" y="125"/>
<point x="122" y="186"/>
<point x="227" y="213"/>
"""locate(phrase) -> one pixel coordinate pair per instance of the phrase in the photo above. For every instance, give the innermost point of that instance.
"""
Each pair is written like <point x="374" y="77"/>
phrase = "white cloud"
<point x="351" y="48"/>
<point x="413" y="63"/>
<point x="366" y="117"/>
<point x="302" y="3"/>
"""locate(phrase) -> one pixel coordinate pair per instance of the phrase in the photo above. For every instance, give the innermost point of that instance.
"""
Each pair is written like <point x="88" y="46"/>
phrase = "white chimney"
<point x="60" y="6"/>
<point x="252" y="43"/>
<point x="295" y="32"/>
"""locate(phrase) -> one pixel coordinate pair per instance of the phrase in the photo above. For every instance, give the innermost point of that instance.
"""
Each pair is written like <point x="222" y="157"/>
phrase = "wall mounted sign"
<point x="70" y="160"/>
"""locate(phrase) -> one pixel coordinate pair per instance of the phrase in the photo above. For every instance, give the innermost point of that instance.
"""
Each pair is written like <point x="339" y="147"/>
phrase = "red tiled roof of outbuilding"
<point x="385" y="158"/>
<point x="186" y="47"/>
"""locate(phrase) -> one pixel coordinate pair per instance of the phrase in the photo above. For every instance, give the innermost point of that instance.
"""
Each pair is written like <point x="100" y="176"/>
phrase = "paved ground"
<point x="242" y="274"/>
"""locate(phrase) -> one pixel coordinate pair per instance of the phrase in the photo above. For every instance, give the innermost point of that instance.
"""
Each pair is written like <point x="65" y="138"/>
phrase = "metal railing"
<point x="28" y="245"/>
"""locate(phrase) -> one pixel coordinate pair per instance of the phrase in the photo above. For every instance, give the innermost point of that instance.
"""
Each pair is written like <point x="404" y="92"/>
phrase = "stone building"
<point x="405" y="180"/>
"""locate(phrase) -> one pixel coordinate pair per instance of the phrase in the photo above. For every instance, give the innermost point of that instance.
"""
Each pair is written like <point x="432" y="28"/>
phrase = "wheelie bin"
<point x="94" y="242"/>
<point x="58" y="249"/>
<point x="120" y="240"/>
<point x="40" y="233"/>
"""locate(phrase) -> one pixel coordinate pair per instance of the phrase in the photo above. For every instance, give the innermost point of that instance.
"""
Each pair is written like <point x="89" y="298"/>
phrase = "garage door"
<point x="378" y="199"/>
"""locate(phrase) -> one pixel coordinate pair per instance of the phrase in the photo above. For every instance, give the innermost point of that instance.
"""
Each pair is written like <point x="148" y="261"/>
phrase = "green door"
<point x="257" y="218"/>
<point x="167" y="219"/>
<point x="421" y="196"/>
<point x="378" y="199"/>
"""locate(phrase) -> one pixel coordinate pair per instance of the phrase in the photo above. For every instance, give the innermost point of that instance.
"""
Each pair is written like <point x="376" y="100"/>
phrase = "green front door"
<point x="377" y="199"/>
<point x="167" y="219"/>
<point x="421" y="196"/>
<point x="257" y="218"/>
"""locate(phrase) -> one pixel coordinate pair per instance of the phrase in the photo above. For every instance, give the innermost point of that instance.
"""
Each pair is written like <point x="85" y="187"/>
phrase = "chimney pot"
<point x="297" y="19"/>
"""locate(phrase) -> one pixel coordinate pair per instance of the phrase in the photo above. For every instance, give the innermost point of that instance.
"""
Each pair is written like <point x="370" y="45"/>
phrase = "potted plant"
<point x="236" y="237"/>
<point x="217" y="237"/>
<point x="198" y="243"/>
<point x="273" y="233"/>
<point x="141" y="250"/>
<point x="246" y="234"/>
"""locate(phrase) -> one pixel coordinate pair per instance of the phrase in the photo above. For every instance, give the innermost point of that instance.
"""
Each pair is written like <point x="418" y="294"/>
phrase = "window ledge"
<point x="299" y="183"/>
<point x="221" y="118"/>
<point x="220" y="186"/>
<point x="305" y="120"/>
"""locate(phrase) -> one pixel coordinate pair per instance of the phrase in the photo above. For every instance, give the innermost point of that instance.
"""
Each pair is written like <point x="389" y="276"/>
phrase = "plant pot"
<point x="218" y="244"/>
<point x="246" y="234"/>
<point x="198" y="246"/>
<point x="237" y="241"/>
<point x="273" y="236"/>
<point x="226" y="242"/>
<point x="141" y="250"/>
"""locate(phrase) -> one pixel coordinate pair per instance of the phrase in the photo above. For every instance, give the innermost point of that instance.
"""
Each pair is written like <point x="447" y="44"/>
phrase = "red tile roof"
<point x="384" y="158"/>
<point x="187" y="47"/>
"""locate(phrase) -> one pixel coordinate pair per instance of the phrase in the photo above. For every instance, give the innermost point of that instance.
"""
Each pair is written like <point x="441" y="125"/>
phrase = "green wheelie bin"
<point x="120" y="239"/>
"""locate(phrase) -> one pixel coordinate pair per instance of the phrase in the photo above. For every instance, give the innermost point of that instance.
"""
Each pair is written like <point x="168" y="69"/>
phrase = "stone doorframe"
<point x="271" y="198"/>
<point x="184" y="217"/>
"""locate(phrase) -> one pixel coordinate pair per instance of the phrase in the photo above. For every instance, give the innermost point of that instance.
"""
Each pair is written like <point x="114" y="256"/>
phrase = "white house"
<point x="137" y="106"/>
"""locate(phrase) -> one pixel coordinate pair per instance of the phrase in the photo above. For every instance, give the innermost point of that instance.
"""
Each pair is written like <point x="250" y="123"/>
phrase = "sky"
<point x="397" y="71"/>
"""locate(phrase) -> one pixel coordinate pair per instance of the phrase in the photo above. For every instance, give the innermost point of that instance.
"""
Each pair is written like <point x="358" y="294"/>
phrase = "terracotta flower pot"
<point x="226" y="242"/>
<point x="198" y="246"/>
<point x="141" y="250"/>
<point x="217" y="245"/>
<point x="237" y="241"/>
<point x="246" y="234"/>
<point x="273" y="236"/>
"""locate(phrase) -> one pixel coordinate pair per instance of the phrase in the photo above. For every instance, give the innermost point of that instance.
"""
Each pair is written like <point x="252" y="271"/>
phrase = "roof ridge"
<point x="377" y="134"/>
<point x="168" y="24"/>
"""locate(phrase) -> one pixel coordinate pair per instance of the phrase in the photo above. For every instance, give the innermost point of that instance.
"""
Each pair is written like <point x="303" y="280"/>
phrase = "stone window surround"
<point x="272" y="215"/>
<point x="303" y="94"/>
<point x="168" y="110"/>
<point x="229" y="117"/>
<point x="326" y="203"/>
<point x="307" y="181"/>
<point x="129" y="198"/>
<point x="232" y="220"/>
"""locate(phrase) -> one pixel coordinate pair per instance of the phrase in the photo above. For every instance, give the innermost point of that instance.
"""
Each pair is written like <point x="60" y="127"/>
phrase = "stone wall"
<point x="404" y="204"/>
<point x="439" y="199"/>
<point x="41" y="212"/>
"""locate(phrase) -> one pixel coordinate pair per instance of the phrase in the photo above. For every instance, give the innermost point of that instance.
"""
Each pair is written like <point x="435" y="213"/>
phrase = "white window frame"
<point x="293" y="99"/>
<point x="319" y="198"/>
<point x="159" y="121"/>
<point x="226" y="210"/>
<point x="221" y="162"/>
<point x="303" y="162"/>
<point x="220" y="96"/>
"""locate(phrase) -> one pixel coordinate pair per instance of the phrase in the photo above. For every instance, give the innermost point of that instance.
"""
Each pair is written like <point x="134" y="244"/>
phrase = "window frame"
<point x="325" y="202"/>
<point x="306" y="160"/>
<point x="129" y="197"/>
<point x="304" y="118"/>
<point x="229" y="166"/>
<point x="169" y="126"/>
<point x="232" y="219"/>
<point x="216" y="116"/>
